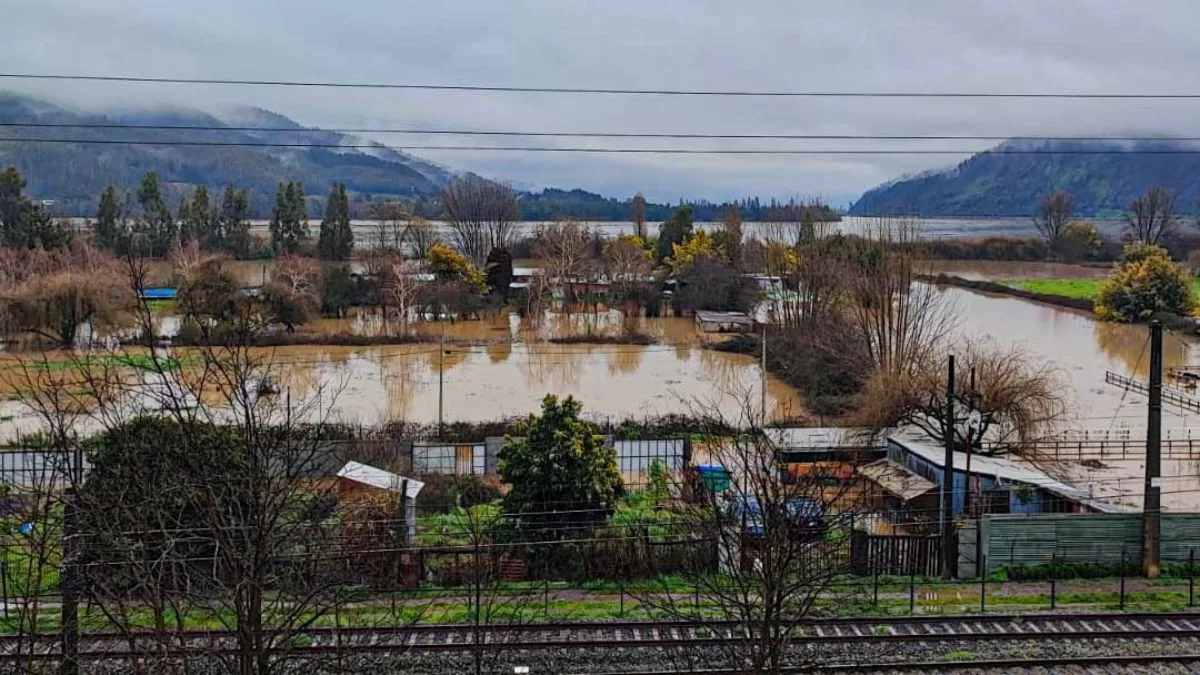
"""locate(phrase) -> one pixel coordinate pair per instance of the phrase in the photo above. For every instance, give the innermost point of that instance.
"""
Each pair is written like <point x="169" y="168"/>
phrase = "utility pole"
<point x="441" y="374"/>
<point x="1151" y="509"/>
<point x="71" y="583"/>
<point x="763" y="369"/>
<point x="948" y="552"/>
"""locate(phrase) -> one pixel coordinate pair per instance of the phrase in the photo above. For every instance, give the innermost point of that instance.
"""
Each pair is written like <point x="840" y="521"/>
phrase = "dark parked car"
<point x="805" y="515"/>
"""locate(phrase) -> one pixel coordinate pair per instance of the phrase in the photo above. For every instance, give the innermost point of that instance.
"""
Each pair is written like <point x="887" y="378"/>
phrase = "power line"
<point x="589" y="134"/>
<point x="737" y="93"/>
<point x="585" y="150"/>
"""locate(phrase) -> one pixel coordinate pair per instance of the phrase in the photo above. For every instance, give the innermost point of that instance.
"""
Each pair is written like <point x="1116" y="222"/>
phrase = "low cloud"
<point x="853" y="45"/>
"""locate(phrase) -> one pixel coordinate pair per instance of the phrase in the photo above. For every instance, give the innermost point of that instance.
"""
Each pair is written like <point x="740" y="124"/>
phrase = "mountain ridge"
<point x="1007" y="180"/>
<point x="74" y="174"/>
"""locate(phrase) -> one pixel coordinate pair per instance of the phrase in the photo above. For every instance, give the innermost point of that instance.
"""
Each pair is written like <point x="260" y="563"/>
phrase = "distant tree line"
<point x="553" y="204"/>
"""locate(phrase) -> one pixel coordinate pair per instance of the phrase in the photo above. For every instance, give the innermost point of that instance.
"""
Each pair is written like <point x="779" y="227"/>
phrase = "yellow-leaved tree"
<point x="1146" y="281"/>
<point x="450" y="265"/>
<point x="698" y="244"/>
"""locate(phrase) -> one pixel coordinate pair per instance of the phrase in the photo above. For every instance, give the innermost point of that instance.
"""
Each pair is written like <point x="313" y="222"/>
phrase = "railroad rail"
<point x="628" y="634"/>
<point x="1042" y="664"/>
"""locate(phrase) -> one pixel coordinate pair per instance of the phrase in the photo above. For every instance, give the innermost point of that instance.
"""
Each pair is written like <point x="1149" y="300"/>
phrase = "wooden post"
<point x="1151" y="516"/>
<point x="948" y="480"/>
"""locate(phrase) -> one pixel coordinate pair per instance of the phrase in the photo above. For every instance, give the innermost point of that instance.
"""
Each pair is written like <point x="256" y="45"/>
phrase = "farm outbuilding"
<point x="724" y="322"/>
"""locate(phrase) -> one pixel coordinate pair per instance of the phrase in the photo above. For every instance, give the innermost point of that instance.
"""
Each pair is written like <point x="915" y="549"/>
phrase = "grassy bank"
<point x="1085" y="289"/>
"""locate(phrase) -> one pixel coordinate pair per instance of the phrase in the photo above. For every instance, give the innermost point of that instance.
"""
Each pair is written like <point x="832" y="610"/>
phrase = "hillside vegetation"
<point x="74" y="174"/>
<point x="1001" y="182"/>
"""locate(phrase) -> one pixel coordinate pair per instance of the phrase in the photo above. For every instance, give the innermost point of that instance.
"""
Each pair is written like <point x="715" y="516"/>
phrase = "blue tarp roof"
<point x="160" y="293"/>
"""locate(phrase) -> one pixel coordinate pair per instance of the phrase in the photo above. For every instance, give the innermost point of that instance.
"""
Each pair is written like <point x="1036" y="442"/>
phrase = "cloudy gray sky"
<point x="862" y="45"/>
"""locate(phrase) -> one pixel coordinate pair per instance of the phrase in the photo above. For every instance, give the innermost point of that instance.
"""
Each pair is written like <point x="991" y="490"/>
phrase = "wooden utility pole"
<point x="71" y="582"/>
<point x="1151" y="508"/>
<point x="949" y="554"/>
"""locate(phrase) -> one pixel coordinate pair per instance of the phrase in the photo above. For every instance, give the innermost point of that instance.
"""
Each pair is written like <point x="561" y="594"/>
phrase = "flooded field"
<point x="1083" y="349"/>
<point x="513" y="366"/>
<point x="370" y="385"/>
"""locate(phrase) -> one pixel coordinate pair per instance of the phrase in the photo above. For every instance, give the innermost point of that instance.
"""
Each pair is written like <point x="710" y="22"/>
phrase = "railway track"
<point x="944" y="666"/>
<point x="637" y="634"/>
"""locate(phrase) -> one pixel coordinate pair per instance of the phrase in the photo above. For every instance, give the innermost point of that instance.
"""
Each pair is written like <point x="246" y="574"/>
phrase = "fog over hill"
<point x="1009" y="179"/>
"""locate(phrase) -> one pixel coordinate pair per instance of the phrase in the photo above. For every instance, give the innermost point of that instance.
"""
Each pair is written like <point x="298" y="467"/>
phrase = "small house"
<point x="522" y="278"/>
<point x="899" y="494"/>
<point x="993" y="484"/>
<point x="363" y="484"/>
<point x="828" y="452"/>
<point x="723" y="322"/>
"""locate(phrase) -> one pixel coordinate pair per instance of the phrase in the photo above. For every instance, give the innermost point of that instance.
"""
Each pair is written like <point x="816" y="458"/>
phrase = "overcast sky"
<point x="860" y="45"/>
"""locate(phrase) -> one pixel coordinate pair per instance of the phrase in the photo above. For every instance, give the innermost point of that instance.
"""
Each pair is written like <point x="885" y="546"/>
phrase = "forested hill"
<point x="74" y="174"/>
<point x="1102" y="176"/>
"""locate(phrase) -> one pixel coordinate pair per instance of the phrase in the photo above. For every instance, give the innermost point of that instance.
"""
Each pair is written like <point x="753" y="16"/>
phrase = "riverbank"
<point x="1076" y="296"/>
<point x="1076" y="303"/>
<point x="1086" y="289"/>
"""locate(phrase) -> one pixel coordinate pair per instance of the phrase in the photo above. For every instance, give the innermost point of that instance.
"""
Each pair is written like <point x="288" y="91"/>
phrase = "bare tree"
<point x="398" y="288"/>
<point x="1152" y="216"/>
<point x="54" y="295"/>
<point x="813" y="278"/>
<point x="481" y="214"/>
<point x="563" y="246"/>
<point x="1053" y="214"/>
<point x="35" y="485"/>
<point x="900" y="320"/>
<point x="1005" y="398"/>
<point x="391" y="221"/>
<point x="294" y="291"/>
<point x="638" y="215"/>
<point x="627" y="267"/>
<point x="420" y="236"/>
<point x="233" y="529"/>
<point x="768" y="547"/>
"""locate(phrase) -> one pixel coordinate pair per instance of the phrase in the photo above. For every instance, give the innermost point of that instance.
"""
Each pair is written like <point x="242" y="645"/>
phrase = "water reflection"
<point x="1082" y="348"/>
<point x="373" y="384"/>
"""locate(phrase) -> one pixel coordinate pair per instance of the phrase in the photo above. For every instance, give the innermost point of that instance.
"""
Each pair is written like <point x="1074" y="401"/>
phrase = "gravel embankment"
<point x="616" y="660"/>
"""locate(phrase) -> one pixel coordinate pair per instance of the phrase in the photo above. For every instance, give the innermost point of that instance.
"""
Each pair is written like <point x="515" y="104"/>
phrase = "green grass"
<point x="135" y="361"/>
<point x="160" y="305"/>
<point x="1083" y="289"/>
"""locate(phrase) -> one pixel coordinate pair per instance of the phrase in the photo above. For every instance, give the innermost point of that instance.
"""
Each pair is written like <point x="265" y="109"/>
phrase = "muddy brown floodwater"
<point x="377" y="384"/>
<point x="1083" y="349"/>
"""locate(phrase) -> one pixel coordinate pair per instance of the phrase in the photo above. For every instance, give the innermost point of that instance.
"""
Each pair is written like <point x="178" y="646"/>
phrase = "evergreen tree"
<point x="564" y="477"/>
<point x="13" y="207"/>
<point x="231" y="227"/>
<point x="278" y="215"/>
<point x="499" y="272"/>
<point x="336" y="239"/>
<point x="156" y="228"/>
<point x="674" y="231"/>
<point x="289" y="221"/>
<point x="23" y="223"/>
<point x="196" y="218"/>
<point x="108" y="231"/>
